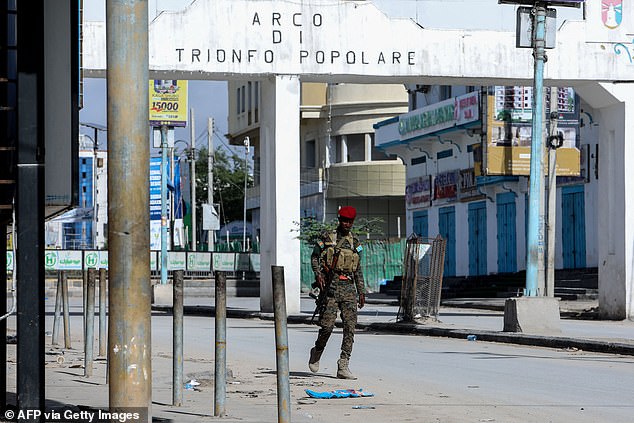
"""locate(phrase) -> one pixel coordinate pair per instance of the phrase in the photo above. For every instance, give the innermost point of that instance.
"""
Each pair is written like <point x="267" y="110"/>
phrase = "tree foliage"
<point x="309" y="229"/>
<point x="228" y="180"/>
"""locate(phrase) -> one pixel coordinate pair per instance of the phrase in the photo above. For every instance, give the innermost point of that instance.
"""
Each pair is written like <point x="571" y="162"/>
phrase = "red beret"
<point x="348" y="212"/>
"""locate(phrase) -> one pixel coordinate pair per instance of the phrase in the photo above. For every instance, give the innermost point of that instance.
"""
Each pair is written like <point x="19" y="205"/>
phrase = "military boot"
<point x="343" y="372"/>
<point x="313" y="361"/>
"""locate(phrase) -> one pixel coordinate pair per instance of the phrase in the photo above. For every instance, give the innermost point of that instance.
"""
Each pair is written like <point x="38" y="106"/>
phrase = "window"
<point x="356" y="147"/>
<point x="256" y="101"/>
<point x="310" y="157"/>
<point x="243" y="103"/>
<point x="445" y="92"/>
<point x="249" y="103"/>
<point x="238" y="101"/>
<point x="419" y="160"/>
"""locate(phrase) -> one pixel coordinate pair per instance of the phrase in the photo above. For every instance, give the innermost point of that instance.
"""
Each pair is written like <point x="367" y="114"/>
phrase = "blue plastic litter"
<point x="339" y="393"/>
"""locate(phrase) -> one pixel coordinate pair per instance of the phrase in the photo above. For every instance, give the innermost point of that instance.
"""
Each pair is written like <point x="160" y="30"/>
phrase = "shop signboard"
<point x="509" y="133"/>
<point x="418" y="192"/>
<point x="468" y="187"/>
<point x="446" y="186"/>
<point x="439" y="116"/>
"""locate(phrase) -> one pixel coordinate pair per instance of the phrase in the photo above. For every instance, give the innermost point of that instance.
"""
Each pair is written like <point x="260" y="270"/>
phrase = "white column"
<point x="615" y="206"/>
<point x="368" y="147"/>
<point x="343" y="147"/>
<point x="279" y="188"/>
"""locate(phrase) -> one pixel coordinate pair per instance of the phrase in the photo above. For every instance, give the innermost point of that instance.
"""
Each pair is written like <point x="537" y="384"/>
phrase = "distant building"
<point x="339" y="163"/>
<point x="87" y="226"/>
<point x="467" y="151"/>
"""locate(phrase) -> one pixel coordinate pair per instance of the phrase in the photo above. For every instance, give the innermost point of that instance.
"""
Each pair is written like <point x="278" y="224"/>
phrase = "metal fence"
<point x="381" y="261"/>
<point x="422" y="278"/>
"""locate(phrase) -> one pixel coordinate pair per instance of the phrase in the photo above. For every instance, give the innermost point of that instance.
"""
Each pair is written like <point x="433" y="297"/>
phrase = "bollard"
<point x="220" y="378"/>
<point x="84" y="293"/>
<point x="102" y="312"/>
<point x="66" y="311"/>
<point x="58" y="309"/>
<point x="177" y="338"/>
<point x="90" y="323"/>
<point x="281" y="344"/>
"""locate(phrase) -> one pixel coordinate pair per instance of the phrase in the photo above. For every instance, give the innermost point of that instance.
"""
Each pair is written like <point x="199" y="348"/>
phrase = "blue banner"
<point x="155" y="188"/>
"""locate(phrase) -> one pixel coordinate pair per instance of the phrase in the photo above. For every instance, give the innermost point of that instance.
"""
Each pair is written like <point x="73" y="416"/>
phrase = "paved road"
<point x="414" y="378"/>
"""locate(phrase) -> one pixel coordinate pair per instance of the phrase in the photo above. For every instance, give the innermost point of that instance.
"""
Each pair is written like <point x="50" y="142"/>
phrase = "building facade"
<point x="85" y="227"/>
<point x="466" y="182"/>
<point x="339" y="164"/>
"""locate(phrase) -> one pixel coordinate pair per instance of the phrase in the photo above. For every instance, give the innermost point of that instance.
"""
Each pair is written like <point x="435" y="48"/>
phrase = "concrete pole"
<point x="164" y="165"/>
<point x="535" y="241"/>
<point x="210" y="178"/>
<point x="281" y="343"/>
<point x="102" y="312"/>
<point x="220" y="376"/>
<point x="246" y="177"/>
<point x="84" y="297"/>
<point x="192" y="157"/>
<point x="89" y="342"/>
<point x="129" y="329"/>
<point x="552" y="197"/>
<point x="177" y="339"/>
<point x="543" y="212"/>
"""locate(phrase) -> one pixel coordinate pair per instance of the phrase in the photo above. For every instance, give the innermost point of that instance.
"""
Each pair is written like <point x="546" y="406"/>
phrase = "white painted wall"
<point x="616" y="195"/>
<point x="292" y="45"/>
<point x="586" y="52"/>
<point x="279" y="208"/>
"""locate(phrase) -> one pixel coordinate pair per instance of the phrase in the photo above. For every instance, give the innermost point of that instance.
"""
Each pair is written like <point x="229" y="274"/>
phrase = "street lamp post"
<point x="95" y="143"/>
<point x="190" y="152"/>
<point x="247" y="144"/>
<point x="164" y="164"/>
<point x="535" y="244"/>
<point x="193" y="176"/>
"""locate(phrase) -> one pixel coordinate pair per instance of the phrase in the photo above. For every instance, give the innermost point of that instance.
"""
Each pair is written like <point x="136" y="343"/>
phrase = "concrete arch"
<point x="281" y="43"/>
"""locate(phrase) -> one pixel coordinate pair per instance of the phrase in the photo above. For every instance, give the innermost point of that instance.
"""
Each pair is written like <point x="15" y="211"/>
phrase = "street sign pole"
<point x="164" y="216"/>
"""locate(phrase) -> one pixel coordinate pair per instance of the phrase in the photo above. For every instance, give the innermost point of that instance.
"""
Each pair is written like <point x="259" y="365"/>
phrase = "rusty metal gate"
<point x="422" y="279"/>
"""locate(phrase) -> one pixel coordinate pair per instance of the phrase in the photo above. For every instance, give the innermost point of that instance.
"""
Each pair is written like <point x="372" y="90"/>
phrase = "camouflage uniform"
<point x="344" y="287"/>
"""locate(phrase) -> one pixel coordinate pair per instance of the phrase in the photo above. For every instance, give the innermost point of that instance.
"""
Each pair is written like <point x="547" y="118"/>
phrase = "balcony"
<point x="366" y="179"/>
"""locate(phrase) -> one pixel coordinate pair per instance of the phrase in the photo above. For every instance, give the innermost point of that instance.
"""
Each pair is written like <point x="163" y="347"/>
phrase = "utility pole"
<point x="129" y="334"/>
<point x="554" y="141"/>
<point x="192" y="157"/>
<point x="210" y="178"/>
<point x="534" y="309"/>
<point x="164" y="216"/>
<point x="535" y="241"/>
<point x="247" y="145"/>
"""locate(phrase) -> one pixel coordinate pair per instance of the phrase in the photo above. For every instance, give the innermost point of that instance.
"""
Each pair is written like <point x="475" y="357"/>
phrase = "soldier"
<point x="335" y="261"/>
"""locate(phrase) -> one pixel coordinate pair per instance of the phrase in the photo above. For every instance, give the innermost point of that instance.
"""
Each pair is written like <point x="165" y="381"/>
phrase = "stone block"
<point x="532" y="315"/>
<point x="163" y="294"/>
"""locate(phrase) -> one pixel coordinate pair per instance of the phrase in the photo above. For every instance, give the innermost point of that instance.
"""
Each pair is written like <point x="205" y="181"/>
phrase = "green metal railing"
<point x="381" y="260"/>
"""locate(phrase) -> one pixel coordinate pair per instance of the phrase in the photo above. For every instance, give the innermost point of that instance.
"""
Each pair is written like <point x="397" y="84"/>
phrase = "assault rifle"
<point x="322" y="299"/>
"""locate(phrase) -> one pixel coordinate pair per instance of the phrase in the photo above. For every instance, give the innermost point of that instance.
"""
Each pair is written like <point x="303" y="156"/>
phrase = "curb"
<point x="516" y="338"/>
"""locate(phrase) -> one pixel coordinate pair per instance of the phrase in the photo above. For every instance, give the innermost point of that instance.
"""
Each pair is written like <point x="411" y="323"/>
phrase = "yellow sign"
<point x="168" y="102"/>
<point x="508" y="147"/>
